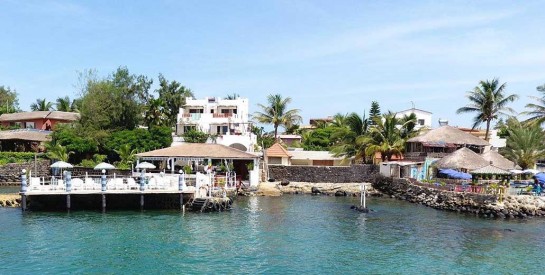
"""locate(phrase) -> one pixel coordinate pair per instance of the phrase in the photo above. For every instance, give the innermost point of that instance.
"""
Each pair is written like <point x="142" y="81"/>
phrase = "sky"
<point x="328" y="56"/>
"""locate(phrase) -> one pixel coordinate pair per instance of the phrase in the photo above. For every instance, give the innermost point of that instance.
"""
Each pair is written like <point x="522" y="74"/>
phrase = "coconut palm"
<point x="525" y="144"/>
<point x="488" y="100"/>
<point x="155" y="113"/>
<point x="537" y="113"/>
<point x="409" y="123"/>
<point x="127" y="156"/>
<point x="277" y="113"/>
<point x="232" y="96"/>
<point x="386" y="136"/>
<point x="41" y="105"/>
<point x="56" y="151"/>
<point x="64" y="104"/>
<point x="352" y="138"/>
<point x="339" y="120"/>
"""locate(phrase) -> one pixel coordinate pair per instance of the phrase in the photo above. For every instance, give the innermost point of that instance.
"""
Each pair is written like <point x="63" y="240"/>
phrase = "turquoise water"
<point x="9" y="189"/>
<point x="273" y="235"/>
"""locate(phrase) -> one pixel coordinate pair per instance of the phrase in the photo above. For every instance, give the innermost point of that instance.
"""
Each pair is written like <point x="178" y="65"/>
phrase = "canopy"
<point x="145" y="165"/>
<point x="61" y="164"/>
<point x="531" y="171"/>
<point x="455" y="174"/>
<point x="516" y="171"/>
<point x="104" y="166"/>
<point x="540" y="177"/>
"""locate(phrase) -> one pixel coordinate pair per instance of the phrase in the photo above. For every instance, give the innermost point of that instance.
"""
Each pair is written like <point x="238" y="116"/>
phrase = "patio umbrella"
<point x="104" y="165"/>
<point x="540" y="177"/>
<point x="61" y="164"/>
<point x="145" y="165"/>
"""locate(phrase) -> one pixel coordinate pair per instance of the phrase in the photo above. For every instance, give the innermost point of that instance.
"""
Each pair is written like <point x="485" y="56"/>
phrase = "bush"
<point x="17" y="157"/>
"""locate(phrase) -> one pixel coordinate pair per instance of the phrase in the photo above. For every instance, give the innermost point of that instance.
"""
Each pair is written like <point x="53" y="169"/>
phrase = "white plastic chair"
<point x="77" y="184"/>
<point x="152" y="184"/>
<point x="60" y="185"/>
<point x="118" y="183"/>
<point x="132" y="185"/>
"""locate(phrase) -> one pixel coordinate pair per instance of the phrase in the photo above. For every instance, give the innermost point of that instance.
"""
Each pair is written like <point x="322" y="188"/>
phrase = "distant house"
<point x="423" y="118"/>
<point x="317" y="158"/>
<point x="289" y="139"/>
<point x="278" y="155"/>
<point x="41" y="120"/>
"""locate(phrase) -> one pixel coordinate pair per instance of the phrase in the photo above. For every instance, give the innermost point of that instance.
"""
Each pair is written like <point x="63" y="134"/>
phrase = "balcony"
<point x="194" y="116"/>
<point x="228" y="115"/>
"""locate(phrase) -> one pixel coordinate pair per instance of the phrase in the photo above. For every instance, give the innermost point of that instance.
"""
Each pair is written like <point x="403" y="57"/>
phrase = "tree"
<point x="194" y="136"/>
<point x="232" y="96"/>
<point x="64" y="104"/>
<point x="488" y="100"/>
<point x="127" y="156"/>
<point x="41" y="105"/>
<point x="56" y="151"/>
<point x="374" y="112"/>
<point x="9" y="103"/>
<point x="173" y="95"/>
<point x="537" y="110"/>
<point x="386" y="137"/>
<point x="115" y="102"/>
<point x="277" y="114"/>
<point x="155" y="113"/>
<point x="408" y="123"/>
<point x="525" y="144"/>
<point x="75" y="140"/>
<point x="352" y="139"/>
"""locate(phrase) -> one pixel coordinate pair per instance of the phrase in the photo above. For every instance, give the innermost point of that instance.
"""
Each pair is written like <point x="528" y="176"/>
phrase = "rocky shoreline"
<point x="10" y="200"/>
<point x="482" y="205"/>
<point x="328" y="189"/>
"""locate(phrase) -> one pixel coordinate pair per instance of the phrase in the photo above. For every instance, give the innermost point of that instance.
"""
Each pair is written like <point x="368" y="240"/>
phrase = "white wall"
<point x="420" y="115"/>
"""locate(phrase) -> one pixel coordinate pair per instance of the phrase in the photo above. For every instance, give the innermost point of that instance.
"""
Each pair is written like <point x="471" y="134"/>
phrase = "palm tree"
<point x="232" y="96"/>
<point x="339" y="120"/>
<point x="41" y="105"/>
<point x="352" y="138"/>
<point x="56" y="151"/>
<point x="409" y="124"/>
<point x="488" y="100"/>
<point x="386" y="137"/>
<point x="127" y="156"/>
<point x="277" y="114"/>
<point x="537" y="113"/>
<point x="155" y="113"/>
<point x="63" y="104"/>
<point x="525" y="144"/>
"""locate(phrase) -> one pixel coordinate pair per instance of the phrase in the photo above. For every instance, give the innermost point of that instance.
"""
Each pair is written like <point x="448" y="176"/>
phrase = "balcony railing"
<point x="228" y="115"/>
<point x="194" y="116"/>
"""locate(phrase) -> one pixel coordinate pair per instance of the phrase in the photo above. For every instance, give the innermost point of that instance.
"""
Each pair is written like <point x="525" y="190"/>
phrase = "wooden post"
<point x="103" y="203"/>
<point x="23" y="190"/>
<point x="68" y="202"/>
<point x="182" y="201"/>
<point x="23" y="202"/>
<point x="142" y="202"/>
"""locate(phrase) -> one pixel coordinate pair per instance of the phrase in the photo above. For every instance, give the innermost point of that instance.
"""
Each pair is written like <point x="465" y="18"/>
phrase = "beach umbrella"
<point x="145" y="165"/>
<point x="62" y="165"/>
<point x="104" y="165"/>
<point x="540" y="177"/>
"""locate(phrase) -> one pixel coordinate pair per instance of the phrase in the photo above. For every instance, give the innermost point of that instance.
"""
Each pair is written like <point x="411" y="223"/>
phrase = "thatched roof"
<point x="26" y="134"/>
<point x="462" y="158"/>
<point x="490" y="169"/>
<point x="498" y="160"/>
<point x="57" y="115"/>
<point x="449" y="135"/>
<point x="277" y="150"/>
<point x="199" y="150"/>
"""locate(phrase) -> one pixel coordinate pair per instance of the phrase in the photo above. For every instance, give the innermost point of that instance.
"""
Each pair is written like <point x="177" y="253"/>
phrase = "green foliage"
<point x="64" y="104"/>
<point x="232" y="96"/>
<point x="75" y="140"/>
<point x="127" y="156"/>
<point x="41" y="105"/>
<point x="17" y="157"/>
<point x="351" y="140"/>
<point x="56" y="151"/>
<point x="173" y="95"/>
<point x="537" y="110"/>
<point x="194" y="136"/>
<point x="187" y="169"/>
<point x="115" y="102"/>
<point x="318" y="139"/>
<point x="525" y="144"/>
<point x="277" y="114"/>
<point x="374" y="112"/>
<point x="385" y="137"/>
<point x="90" y="163"/>
<point x="155" y="113"/>
<point x="141" y="140"/>
<point x="488" y="100"/>
<point x="9" y="103"/>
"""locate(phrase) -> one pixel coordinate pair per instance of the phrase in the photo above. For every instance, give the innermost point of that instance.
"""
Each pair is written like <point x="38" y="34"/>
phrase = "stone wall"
<point x="10" y="174"/>
<point x="331" y="174"/>
<point x="483" y="205"/>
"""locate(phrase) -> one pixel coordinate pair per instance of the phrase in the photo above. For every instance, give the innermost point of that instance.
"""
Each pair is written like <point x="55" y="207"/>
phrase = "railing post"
<point x="68" y="180"/>
<point x="23" y="181"/>
<point x="142" y="182"/>
<point x="181" y="181"/>
<point x="103" y="181"/>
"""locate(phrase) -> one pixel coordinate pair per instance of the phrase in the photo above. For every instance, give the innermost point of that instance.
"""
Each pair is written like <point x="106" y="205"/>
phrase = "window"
<point x="421" y="122"/>
<point x="221" y="130"/>
<point x="30" y="125"/>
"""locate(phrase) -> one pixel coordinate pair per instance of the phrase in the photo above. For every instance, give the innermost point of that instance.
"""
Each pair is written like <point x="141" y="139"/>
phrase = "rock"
<point x="340" y="193"/>
<point x="284" y="182"/>
<point x="314" y="190"/>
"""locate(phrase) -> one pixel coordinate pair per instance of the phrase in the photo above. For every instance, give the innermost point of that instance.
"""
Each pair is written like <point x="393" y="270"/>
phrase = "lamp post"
<point x="23" y="181"/>
<point x="103" y="180"/>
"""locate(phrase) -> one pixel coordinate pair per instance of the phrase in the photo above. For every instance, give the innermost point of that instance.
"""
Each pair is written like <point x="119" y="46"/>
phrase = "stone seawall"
<point x="479" y="204"/>
<point x="10" y="174"/>
<point x="329" y="174"/>
<point x="10" y="200"/>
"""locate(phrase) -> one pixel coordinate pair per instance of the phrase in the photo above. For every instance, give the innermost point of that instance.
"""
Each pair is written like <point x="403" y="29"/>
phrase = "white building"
<point x="227" y="120"/>
<point x="423" y="118"/>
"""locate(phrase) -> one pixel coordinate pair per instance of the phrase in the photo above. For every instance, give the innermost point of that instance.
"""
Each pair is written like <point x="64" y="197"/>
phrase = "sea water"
<point x="272" y="235"/>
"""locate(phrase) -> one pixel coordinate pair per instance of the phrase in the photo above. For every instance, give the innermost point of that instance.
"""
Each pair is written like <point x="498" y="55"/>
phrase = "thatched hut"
<point x="442" y="141"/>
<point x="498" y="160"/>
<point x="463" y="159"/>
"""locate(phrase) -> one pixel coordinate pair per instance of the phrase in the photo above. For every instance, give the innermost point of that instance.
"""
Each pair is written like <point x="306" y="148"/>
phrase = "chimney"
<point x="443" y="122"/>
